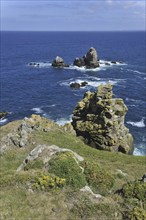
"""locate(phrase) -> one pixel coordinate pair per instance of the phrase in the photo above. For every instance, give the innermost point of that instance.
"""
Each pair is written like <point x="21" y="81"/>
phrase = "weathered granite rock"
<point x="20" y="137"/>
<point x="59" y="62"/>
<point x="79" y="62"/>
<point x="90" y="60"/>
<point x="99" y="119"/>
<point x="45" y="153"/>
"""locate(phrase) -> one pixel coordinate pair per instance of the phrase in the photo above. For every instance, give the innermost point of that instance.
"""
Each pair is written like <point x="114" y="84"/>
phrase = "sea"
<point x="41" y="89"/>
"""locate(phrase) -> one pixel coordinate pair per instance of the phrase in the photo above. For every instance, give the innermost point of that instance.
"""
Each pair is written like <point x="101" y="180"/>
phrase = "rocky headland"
<point x="47" y="171"/>
<point x="99" y="119"/>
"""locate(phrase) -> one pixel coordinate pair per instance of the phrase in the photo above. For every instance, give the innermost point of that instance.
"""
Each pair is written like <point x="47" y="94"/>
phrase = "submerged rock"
<point x="59" y="62"/>
<point x="99" y="119"/>
<point x="90" y="60"/>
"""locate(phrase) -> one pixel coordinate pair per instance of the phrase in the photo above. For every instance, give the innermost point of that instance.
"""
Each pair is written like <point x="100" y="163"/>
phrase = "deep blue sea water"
<point x="45" y="90"/>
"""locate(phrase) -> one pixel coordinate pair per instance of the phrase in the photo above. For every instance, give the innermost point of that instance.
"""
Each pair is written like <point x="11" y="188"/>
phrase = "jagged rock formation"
<point x="59" y="62"/>
<point x="20" y="136"/>
<point x="99" y="119"/>
<point x="90" y="60"/>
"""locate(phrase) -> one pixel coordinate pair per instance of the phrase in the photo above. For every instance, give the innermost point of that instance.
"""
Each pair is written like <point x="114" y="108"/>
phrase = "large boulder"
<point x="90" y="60"/>
<point x="99" y="119"/>
<point x="59" y="62"/>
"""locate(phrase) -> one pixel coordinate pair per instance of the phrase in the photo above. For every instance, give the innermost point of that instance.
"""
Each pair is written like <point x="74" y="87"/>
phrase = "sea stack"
<point x="90" y="60"/>
<point x="59" y="62"/>
<point x="99" y="119"/>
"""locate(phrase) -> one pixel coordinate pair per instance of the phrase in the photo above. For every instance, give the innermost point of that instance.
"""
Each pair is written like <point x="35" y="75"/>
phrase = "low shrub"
<point x="47" y="182"/>
<point x="65" y="166"/>
<point x="137" y="214"/>
<point x="136" y="189"/>
<point x="99" y="179"/>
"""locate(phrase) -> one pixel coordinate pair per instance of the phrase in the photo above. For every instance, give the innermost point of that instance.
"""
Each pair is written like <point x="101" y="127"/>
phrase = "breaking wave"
<point x="139" y="124"/>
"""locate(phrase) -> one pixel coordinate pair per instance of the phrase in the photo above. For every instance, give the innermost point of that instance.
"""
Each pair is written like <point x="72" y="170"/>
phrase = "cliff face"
<point x="99" y="119"/>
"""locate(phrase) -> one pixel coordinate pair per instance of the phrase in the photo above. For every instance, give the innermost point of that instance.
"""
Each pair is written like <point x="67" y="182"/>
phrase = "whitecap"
<point x="37" y="110"/>
<point x="136" y="71"/>
<point x="139" y="152"/>
<point x="40" y="64"/>
<point x="139" y="124"/>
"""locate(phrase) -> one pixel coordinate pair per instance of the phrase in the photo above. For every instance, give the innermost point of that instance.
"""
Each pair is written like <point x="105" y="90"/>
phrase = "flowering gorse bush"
<point x="47" y="182"/>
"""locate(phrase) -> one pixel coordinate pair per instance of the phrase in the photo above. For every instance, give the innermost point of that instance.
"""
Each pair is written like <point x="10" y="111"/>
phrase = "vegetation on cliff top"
<point x="52" y="189"/>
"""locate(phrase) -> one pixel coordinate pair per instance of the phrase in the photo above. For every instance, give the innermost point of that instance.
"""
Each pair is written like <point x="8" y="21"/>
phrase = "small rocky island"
<point x="90" y="60"/>
<point x="59" y="62"/>
<point x="99" y="119"/>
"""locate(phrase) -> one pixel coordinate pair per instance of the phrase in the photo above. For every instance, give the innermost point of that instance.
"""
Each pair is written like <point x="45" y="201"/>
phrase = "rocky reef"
<point x="76" y="85"/>
<point x="90" y="60"/>
<point x="59" y="62"/>
<point x="99" y="119"/>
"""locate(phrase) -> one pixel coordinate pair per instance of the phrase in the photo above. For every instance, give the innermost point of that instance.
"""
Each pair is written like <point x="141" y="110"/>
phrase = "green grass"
<point x="20" y="202"/>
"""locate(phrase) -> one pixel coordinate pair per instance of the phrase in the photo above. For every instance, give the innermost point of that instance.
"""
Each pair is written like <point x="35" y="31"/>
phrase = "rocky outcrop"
<point x="46" y="153"/>
<point x="59" y="62"/>
<point x="99" y="119"/>
<point x="90" y="60"/>
<point x="76" y="85"/>
<point x="20" y="136"/>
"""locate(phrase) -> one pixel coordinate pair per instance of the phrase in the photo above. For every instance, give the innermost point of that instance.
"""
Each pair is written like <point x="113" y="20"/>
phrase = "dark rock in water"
<point x="79" y="62"/>
<point x="59" y="62"/>
<point x="90" y="60"/>
<point x="3" y="114"/>
<point x="75" y="85"/>
<point x="99" y="119"/>
<point x="83" y="84"/>
<point x="108" y="64"/>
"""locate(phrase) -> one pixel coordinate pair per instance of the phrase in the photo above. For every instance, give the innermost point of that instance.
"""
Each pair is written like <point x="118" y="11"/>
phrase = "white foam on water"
<point x="135" y="100"/>
<point x="63" y="121"/>
<point x="139" y="124"/>
<point x="136" y="71"/>
<point x="40" y="64"/>
<point x="83" y="69"/>
<point x="92" y="81"/>
<point x="139" y="152"/>
<point x="37" y="110"/>
<point x="3" y="121"/>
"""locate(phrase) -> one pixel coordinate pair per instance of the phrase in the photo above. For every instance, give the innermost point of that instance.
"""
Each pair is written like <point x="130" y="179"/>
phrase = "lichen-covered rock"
<point x="90" y="60"/>
<point x="20" y="136"/>
<point x="99" y="118"/>
<point x="59" y="62"/>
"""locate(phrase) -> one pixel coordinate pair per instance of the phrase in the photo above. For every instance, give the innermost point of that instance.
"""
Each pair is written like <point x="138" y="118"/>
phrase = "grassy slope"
<point x="20" y="203"/>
